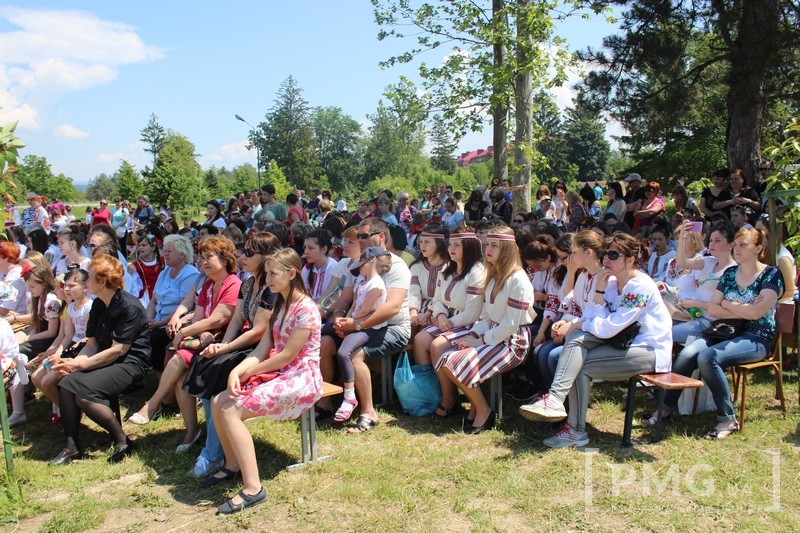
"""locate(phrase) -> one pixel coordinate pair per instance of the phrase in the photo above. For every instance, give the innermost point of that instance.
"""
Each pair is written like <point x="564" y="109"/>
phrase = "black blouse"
<point x="123" y="321"/>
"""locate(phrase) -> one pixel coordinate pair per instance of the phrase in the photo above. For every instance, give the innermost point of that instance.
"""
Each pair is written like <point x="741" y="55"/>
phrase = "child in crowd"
<point x="12" y="363"/>
<point x="370" y="293"/>
<point x="70" y="340"/>
<point x="45" y="312"/>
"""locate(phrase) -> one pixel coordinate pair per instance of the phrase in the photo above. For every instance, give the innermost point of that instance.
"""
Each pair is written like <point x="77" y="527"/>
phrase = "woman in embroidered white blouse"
<point x="622" y="297"/>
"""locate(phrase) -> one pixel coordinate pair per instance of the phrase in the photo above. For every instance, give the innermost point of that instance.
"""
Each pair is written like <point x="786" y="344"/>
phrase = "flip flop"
<point x="719" y="434"/>
<point x="248" y="500"/>
<point x="362" y="425"/>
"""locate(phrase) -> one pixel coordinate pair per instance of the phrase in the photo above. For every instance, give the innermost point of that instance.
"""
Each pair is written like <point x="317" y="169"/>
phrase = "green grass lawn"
<point x="424" y="474"/>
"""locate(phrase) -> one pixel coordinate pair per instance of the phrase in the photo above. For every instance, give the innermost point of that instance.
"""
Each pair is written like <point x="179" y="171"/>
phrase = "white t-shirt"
<point x="398" y="277"/>
<point x="362" y="288"/>
<point x="79" y="317"/>
<point x="452" y="220"/>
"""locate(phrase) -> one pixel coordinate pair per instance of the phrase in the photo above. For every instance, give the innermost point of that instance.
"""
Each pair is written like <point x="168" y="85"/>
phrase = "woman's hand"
<point x="234" y="384"/>
<point x="153" y="324"/>
<point x="215" y="349"/>
<point x="540" y="338"/>
<point x="423" y="320"/>
<point x="444" y="324"/>
<point x="469" y="341"/>
<point x="176" y="340"/>
<point x="67" y="366"/>
<point x="560" y="331"/>
<point x="602" y="279"/>
<point x="173" y="326"/>
<point x="206" y="338"/>
<point x="688" y="303"/>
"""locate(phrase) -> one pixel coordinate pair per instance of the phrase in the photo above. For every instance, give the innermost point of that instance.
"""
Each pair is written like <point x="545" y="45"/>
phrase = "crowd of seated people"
<point x="253" y="309"/>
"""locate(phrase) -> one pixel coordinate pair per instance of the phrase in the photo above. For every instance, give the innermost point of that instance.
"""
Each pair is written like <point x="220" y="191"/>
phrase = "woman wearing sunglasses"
<point x="622" y="297"/>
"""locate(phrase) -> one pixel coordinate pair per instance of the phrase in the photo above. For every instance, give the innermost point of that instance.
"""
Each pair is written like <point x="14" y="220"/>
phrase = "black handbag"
<point x="624" y="339"/>
<point x="724" y="329"/>
<point x="208" y="377"/>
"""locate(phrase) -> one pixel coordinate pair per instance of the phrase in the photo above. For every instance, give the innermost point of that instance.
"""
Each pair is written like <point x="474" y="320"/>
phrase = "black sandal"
<point x="212" y="480"/>
<point x="719" y="434"/>
<point x="248" y="500"/>
<point x="448" y="411"/>
<point x="362" y="425"/>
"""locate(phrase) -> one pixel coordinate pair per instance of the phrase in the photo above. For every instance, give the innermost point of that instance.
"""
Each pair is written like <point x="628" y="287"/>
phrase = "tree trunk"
<point x="499" y="105"/>
<point x="751" y="59"/>
<point x="523" y="95"/>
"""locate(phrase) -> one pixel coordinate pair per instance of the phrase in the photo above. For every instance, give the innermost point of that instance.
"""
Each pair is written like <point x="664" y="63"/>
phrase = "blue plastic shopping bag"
<point x="417" y="387"/>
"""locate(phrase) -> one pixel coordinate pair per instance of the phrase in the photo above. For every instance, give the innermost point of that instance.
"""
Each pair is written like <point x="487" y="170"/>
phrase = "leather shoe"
<point x="214" y="479"/>
<point x="489" y="424"/>
<point x="66" y="457"/>
<point x="122" y="452"/>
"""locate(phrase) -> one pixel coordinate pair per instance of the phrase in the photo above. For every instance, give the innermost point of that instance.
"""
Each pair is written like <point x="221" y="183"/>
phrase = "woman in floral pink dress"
<point x="280" y="379"/>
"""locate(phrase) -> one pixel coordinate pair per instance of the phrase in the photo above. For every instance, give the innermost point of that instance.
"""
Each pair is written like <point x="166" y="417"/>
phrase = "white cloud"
<point x="229" y="155"/>
<point x="111" y="158"/>
<point x="53" y="51"/>
<point x="70" y="132"/>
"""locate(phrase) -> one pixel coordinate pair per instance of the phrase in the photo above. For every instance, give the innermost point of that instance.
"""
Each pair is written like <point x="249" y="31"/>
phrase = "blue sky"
<point x="82" y="77"/>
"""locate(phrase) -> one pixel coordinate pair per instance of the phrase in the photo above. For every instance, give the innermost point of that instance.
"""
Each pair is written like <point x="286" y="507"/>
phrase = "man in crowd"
<point x="633" y="196"/>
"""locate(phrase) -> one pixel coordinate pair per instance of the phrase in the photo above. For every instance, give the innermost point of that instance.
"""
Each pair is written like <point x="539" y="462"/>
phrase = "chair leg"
<point x="735" y="376"/>
<point x="743" y="379"/>
<point x="629" y="406"/>
<point x="694" y="402"/>
<point x="779" y="386"/>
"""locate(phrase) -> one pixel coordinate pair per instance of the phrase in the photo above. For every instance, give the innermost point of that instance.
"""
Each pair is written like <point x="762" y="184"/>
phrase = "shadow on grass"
<point x="173" y="470"/>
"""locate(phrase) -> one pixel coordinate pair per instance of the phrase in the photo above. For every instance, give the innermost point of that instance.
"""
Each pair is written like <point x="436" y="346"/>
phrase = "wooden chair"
<point x="785" y="324"/>
<point x="661" y="382"/>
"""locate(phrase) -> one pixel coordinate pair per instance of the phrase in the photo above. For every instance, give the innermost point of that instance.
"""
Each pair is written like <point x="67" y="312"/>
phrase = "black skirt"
<point x="208" y="377"/>
<point x="99" y="385"/>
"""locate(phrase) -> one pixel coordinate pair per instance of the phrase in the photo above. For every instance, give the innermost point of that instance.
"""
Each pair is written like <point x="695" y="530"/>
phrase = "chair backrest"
<point x="785" y="318"/>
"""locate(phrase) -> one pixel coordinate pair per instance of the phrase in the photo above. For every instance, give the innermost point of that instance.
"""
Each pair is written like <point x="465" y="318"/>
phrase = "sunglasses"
<point x="519" y="220"/>
<point x="91" y="246"/>
<point x="365" y="236"/>
<point x="613" y="255"/>
<point x="250" y="253"/>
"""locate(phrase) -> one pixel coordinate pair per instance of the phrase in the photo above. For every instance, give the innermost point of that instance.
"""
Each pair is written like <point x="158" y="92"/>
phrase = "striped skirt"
<point x="472" y="366"/>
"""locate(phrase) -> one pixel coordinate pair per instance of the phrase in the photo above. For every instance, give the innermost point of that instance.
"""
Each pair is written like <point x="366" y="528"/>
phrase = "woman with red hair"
<point x="11" y="273"/>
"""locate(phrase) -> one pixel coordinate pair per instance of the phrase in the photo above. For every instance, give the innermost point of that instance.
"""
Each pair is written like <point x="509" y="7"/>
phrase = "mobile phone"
<point x="697" y="227"/>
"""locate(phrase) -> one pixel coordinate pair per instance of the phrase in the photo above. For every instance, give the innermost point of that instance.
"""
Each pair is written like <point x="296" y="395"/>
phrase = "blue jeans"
<point x="547" y="360"/>
<point x="712" y="362"/>
<point x="212" y="452"/>
<point x="693" y="328"/>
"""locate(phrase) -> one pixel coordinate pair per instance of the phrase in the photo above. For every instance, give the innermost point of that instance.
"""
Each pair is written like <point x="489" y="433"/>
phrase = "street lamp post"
<point x="258" y="149"/>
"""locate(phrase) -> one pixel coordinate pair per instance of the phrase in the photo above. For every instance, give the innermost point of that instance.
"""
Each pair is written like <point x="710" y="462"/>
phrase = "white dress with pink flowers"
<point x="298" y="385"/>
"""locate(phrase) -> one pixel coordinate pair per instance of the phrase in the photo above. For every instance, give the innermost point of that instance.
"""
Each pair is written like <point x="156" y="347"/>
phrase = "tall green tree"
<point x="276" y="177"/>
<point x="681" y="70"/>
<point x="554" y="164"/>
<point x="101" y="186"/>
<point x="339" y="146"/>
<point x="397" y="134"/>
<point x="244" y="177"/>
<point x="494" y="48"/>
<point x="129" y="184"/>
<point x="175" y="180"/>
<point x="153" y="136"/>
<point x="443" y="146"/>
<point x="287" y="136"/>
<point x="588" y="148"/>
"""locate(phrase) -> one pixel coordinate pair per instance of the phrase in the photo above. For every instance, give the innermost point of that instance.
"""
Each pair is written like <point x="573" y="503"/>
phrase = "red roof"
<point x="476" y="156"/>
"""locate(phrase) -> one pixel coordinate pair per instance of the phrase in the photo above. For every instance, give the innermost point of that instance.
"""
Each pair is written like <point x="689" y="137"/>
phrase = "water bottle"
<point x="696" y="312"/>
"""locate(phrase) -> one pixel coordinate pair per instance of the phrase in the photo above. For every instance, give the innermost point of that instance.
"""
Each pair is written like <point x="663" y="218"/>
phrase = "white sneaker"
<point x="545" y="409"/>
<point x="566" y="437"/>
<point x="17" y="418"/>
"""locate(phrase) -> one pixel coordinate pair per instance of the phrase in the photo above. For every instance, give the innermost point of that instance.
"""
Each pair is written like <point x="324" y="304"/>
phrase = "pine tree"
<point x="129" y="183"/>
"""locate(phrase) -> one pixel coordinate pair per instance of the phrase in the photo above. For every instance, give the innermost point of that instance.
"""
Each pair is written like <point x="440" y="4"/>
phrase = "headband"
<point x="501" y="237"/>
<point x="425" y="235"/>
<point x="461" y="236"/>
